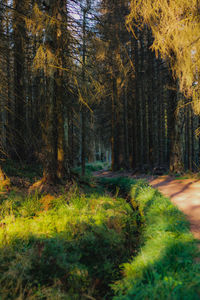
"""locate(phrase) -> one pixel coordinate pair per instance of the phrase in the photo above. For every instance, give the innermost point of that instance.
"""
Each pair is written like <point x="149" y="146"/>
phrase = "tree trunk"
<point x="19" y="83"/>
<point x="177" y="123"/>
<point x="54" y="155"/>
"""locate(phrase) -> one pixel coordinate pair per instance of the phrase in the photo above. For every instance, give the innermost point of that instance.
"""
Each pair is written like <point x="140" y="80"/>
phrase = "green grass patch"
<point x="92" y="167"/>
<point x="67" y="247"/>
<point x="89" y="169"/>
<point x="187" y="175"/>
<point x="117" y="185"/>
<point x="96" y="166"/>
<point x="164" y="267"/>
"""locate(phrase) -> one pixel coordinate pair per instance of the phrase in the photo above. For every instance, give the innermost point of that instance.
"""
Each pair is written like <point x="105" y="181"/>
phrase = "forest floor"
<point x="93" y="240"/>
<point x="184" y="193"/>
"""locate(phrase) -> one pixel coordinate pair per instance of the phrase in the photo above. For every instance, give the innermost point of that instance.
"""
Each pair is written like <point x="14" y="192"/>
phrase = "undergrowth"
<point x="67" y="247"/>
<point x="92" y="167"/>
<point x="188" y="175"/>
<point x="164" y="267"/>
<point x="130" y="243"/>
<point x="97" y="166"/>
<point x="26" y="170"/>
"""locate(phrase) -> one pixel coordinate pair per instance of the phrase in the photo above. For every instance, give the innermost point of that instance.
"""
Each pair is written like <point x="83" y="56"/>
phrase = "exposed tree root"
<point x="48" y="185"/>
<point x="43" y="186"/>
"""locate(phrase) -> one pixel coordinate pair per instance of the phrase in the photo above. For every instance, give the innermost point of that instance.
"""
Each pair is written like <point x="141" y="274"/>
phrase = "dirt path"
<point x="183" y="193"/>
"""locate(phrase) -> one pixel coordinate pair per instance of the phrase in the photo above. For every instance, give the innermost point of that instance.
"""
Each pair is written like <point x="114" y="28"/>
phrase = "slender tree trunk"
<point x="60" y="126"/>
<point x="177" y="123"/>
<point x="115" y="156"/>
<point x="62" y="162"/>
<point x="19" y="83"/>
<point x="83" y="110"/>
<point x="135" y="105"/>
<point x="126" y="140"/>
<point x="83" y="142"/>
<point x="150" y="101"/>
<point x="50" y="135"/>
<point x="9" y="107"/>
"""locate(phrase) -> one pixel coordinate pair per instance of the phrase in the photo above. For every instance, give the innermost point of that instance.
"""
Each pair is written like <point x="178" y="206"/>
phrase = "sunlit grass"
<point x="165" y="266"/>
<point x="63" y="247"/>
<point x="72" y="246"/>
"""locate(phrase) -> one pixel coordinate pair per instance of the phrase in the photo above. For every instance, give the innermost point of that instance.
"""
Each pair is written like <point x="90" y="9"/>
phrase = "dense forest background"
<point x="77" y="85"/>
<point x="97" y="99"/>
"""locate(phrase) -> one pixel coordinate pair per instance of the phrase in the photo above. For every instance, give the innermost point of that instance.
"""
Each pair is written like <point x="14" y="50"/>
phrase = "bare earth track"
<point x="185" y="194"/>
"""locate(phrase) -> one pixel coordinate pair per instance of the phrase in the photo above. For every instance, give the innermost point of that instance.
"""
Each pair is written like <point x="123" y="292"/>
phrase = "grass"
<point x="187" y="175"/>
<point x="32" y="172"/>
<point x="97" y="166"/>
<point x="164" y="267"/>
<point x="92" y="167"/>
<point x="67" y="247"/>
<point x="128" y="243"/>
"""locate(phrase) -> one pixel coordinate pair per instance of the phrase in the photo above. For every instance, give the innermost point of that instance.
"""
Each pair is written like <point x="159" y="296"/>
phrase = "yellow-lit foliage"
<point x="45" y="60"/>
<point x="101" y="48"/>
<point x="40" y="20"/>
<point x="4" y="181"/>
<point x="175" y="25"/>
<point x="41" y="25"/>
<point x="46" y="202"/>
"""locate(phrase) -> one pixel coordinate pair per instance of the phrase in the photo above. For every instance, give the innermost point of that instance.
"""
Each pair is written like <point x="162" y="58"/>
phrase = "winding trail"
<point x="184" y="193"/>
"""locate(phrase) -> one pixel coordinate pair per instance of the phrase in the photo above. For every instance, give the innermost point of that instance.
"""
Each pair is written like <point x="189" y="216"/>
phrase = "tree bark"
<point x="19" y="83"/>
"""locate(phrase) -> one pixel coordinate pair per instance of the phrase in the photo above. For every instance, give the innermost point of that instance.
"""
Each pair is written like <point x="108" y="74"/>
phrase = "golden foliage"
<point x="4" y="181"/>
<point x="43" y="26"/>
<point x="175" y="25"/>
<point x="46" y="202"/>
<point x="101" y="48"/>
<point x="45" y="60"/>
<point x="39" y="20"/>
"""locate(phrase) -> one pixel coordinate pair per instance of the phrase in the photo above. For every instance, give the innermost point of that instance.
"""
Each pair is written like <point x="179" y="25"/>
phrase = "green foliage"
<point x="92" y="167"/>
<point x="97" y="166"/>
<point x="89" y="169"/>
<point x="121" y="184"/>
<point x="164" y="268"/>
<point x="67" y="247"/>
<point x="188" y="175"/>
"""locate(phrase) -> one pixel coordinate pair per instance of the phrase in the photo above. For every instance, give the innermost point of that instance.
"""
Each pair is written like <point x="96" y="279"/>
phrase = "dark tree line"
<point x="152" y="125"/>
<point x="77" y="86"/>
